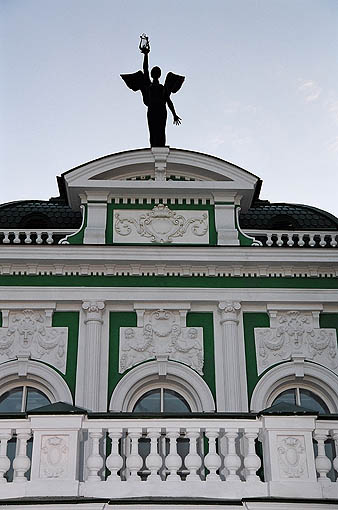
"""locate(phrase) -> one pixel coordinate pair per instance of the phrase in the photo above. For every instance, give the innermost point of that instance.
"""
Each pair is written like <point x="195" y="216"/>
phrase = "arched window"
<point x="302" y="397"/>
<point x="161" y="400"/>
<point x="23" y="398"/>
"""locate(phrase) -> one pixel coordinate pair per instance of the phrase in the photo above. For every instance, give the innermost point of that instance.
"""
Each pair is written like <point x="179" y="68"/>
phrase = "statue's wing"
<point x="173" y="82"/>
<point x="137" y="81"/>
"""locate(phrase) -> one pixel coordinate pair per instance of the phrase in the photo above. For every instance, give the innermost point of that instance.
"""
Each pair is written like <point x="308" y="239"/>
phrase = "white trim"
<point x="316" y="378"/>
<point x="179" y="377"/>
<point x="43" y="377"/>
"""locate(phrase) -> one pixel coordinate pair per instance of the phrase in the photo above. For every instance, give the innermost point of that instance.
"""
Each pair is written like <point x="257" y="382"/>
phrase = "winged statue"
<point x="155" y="96"/>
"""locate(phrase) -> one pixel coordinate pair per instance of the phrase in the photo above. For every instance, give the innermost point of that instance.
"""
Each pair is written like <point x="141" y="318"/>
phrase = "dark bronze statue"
<point x="155" y="96"/>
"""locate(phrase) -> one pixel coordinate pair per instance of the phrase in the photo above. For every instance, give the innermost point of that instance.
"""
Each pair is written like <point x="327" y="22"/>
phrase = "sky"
<point x="260" y="90"/>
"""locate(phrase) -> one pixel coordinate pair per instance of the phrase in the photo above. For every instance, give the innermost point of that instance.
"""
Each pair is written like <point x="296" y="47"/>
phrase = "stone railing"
<point x="43" y="236"/>
<point x="116" y="456"/>
<point x="299" y="238"/>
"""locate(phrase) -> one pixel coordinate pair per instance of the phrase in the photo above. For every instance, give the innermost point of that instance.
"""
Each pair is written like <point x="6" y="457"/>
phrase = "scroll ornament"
<point x="161" y="225"/>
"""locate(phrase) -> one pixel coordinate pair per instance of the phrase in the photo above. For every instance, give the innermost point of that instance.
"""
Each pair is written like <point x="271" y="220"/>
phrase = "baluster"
<point x="134" y="460"/>
<point x="114" y="461"/>
<point x="290" y="241"/>
<point x="269" y="241"/>
<point x="5" y="435"/>
<point x="16" y="238"/>
<point x="154" y="460"/>
<point x="322" y="242"/>
<point x="94" y="461"/>
<point x="193" y="461"/>
<point x="50" y="239"/>
<point x="212" y="460"/>
<point x="232" y="461"/>
<point x="21" y="463"/>
<point x="173" y="461"/>
<point x="252" y="462"/>
<point x="312" y="241"/>
<point x="334" y="435"/>
<point x="333" y="241"/>
<point x="39" y="238"/>
<point x="323" y="464"/>
<point x="28" y="239"/>
<point x="301" y="241"/>
<point x="279" y="240"/>
<point x="6" y="239"/>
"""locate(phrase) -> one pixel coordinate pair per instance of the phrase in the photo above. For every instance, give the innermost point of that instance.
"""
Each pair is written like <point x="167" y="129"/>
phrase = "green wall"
<point x="251" y="321"/>
<point x="71" y="321"/>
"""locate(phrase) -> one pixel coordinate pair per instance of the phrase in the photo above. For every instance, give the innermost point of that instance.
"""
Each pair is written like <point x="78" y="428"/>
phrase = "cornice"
<point x="168" y="261"/>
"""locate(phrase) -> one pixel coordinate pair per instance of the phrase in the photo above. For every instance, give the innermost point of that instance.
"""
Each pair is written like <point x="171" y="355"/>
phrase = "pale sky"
<point x="260" y="90"/>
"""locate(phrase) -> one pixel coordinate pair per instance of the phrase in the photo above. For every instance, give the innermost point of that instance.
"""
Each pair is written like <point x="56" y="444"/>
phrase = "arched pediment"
<point x="152" y="168"/>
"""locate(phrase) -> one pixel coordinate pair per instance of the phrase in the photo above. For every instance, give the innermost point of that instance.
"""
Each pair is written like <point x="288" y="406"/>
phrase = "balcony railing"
<point x="299" y="239"/>
<point x="40" y="236"/>
<point x="117" y="456"/>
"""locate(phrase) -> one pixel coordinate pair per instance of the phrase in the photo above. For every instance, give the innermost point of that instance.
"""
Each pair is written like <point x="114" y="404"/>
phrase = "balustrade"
<point x="19" y="236"/>
<point x="299" y="239"/>
<point x="167" y="451"/>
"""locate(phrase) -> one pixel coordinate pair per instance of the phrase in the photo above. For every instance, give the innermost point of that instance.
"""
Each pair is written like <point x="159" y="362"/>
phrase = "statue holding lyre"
<point x="155" y="96"/>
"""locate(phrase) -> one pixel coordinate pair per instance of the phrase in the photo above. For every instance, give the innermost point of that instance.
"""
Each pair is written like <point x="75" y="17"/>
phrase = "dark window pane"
<point x="312" y="401"/>
<point x="286" y="397"/>
<point x="35" y="398"/>
<point x="175" y="403"/>
<point x="10" y="402"/>
<point x="150" y="402"/>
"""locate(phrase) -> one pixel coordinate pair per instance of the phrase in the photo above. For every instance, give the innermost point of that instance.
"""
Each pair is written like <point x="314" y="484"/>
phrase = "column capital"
<point x="229" y="310"/>
<point x="94" y="309"/>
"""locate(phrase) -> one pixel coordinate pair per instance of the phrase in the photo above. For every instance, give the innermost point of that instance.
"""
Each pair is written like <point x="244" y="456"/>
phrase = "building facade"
<point x="167" y="339"/>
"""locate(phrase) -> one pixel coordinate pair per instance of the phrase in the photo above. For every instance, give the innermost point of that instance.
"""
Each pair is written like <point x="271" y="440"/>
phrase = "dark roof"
<point x="263" y="215"/>
<point x="53" y="213"/>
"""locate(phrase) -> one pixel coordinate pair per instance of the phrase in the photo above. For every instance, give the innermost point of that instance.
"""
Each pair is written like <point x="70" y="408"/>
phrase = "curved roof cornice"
<point x="158" y="168"/>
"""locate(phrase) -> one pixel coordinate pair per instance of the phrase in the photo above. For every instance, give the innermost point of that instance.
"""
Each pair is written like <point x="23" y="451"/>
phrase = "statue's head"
<point x="155" y="73"/>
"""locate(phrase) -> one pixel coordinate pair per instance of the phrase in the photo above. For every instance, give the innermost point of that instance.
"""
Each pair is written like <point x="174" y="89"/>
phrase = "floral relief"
<point x="161" y="335"/>
<point x="294" y="334"/>
<point x="28" y="334"/>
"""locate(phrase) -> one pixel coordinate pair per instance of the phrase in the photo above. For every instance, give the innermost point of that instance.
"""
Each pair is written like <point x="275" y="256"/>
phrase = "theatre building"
<point x="168" y="341"/>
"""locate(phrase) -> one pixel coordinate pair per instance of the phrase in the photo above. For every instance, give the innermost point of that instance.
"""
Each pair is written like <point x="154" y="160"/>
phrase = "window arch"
<point x="36" y="375"/>
<point x="318" y="380"/>
<point x="179" y="378"/>
<point x="300" y="395"/>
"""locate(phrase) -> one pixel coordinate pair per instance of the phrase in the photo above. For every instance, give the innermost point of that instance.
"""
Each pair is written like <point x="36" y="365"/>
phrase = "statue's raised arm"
<point x="155" y="96"/>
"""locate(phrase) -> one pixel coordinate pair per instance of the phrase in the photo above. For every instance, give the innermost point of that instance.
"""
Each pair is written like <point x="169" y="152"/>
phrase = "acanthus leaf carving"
<point x="294" y="334"/>
<point x="161" y="336"/>
<point x="29" y="334"/>
<point x="161" y="225"/>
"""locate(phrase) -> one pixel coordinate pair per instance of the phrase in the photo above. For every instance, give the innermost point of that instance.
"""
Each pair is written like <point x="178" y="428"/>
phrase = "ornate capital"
<point x="229" y="310"/>
<point x="94" y="310"/>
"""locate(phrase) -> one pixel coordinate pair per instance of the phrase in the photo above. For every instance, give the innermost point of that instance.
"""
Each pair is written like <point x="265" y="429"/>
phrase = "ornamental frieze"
<point x="29" y="333"/>
<point x="160" y="225"/>
<point x="161" y="336"/>
<point x="295" y="334"/>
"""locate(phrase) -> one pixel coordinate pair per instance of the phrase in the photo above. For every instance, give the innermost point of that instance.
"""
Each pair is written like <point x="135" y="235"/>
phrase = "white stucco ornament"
<point x="162" y="336"/>
<point x="295" y="335"/>
<point x="29" y="334"/>
<point x="160" y="225"/>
